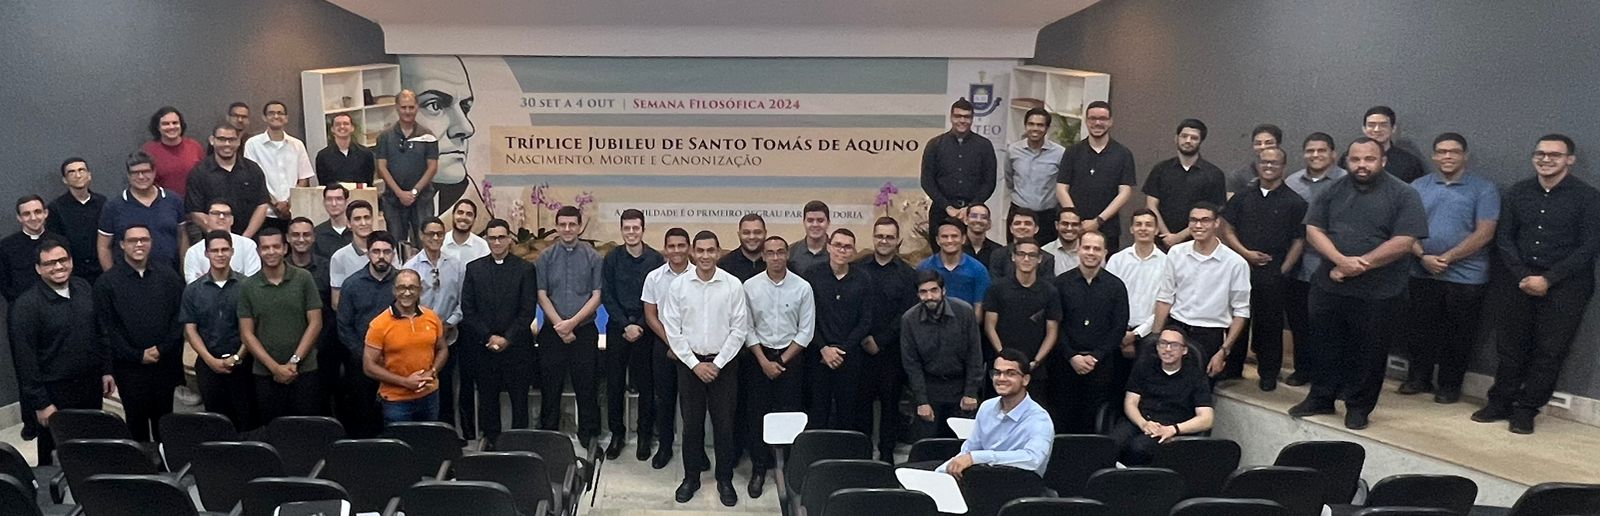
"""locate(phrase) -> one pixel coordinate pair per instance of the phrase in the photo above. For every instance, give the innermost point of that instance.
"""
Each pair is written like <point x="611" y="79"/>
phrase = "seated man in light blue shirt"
<point x="1012" y="430"/>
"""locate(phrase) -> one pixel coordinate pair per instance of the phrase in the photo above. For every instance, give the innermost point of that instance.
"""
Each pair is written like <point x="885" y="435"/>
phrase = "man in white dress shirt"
<point x="783" y="317"/>
<point x="461" y="241"/>
<point x="283" y="161"/>
<point x="706" y="319"/>
<point x="1205" y="290"/>
<point x="219" y="217"/>
<point x="675" y="249"/>
<point x="1140" y="266"/>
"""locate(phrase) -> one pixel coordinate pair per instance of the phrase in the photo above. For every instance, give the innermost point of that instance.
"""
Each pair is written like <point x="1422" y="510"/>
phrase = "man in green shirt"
<point x="280" y="317"/>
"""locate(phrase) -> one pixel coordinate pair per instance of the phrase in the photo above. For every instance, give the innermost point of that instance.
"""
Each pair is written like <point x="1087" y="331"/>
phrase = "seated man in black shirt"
<point x="1166" y="398"/>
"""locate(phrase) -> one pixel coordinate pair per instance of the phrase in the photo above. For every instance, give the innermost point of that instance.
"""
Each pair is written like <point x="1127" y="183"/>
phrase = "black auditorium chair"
<point x="1207" y="506"/>
<point x="1299" y="490"/>
<point x="1038" y="506"/>
<point x="934" y="449"/>
<point x="523" y="473"/>
<point x="45" y="483"/>
<point x="826" y="477"/>
<point x="182" y="432"/>
<point x="303" y="441"/>
<point x="71" y="424"/>
<point x="875" y="502"/>
<point x="1339" y="461"/>
<point x="571" y="472"/>
<point x="17" y="498"/>
<point x="1551" y="498"/>
<point x="1450" y="492"/>
<point x="1074" y="457"/>
<point x="814" y="445"/>
<point x="223" y="469"/>
<point x="441" y="498"/>
<point x="263" y="495"/>
<point x="1404" y="511"/>
<point x="987" y="487"/>
<point x="135" y="495"/>
<point x="436" y="445"/>
<point x="83" y="458"/>
<point x="373" y="471"/>
<point x="1204" y="462"/>
<point x="1136" y="491"/>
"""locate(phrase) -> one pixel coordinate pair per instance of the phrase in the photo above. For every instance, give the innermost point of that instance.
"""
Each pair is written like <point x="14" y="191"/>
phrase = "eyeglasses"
<point x="407" y="288"/>
<point x="1005" y="373"/>
<point x="434" y="234"/>
<point x="1548" y="156"/>
<point x="1167" y="344"/>
<point x="497" y="237"/>
<point x="842" y="246"/>
<point x="220" y="213"/>
<point x="884" y="238"/>
<point x="1027" y="256"/>
<point x="58" y="262"/>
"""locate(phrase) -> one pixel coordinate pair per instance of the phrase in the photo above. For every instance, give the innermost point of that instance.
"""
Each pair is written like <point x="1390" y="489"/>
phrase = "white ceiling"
<point x="757" y="28"/>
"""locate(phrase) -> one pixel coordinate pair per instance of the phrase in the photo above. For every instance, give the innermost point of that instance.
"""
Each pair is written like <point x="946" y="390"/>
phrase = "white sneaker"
<point x="186" y="396"/>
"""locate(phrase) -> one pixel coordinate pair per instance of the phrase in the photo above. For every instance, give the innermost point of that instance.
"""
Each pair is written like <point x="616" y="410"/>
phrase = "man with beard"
<point x="1364" y="225"/>
<point x="1205" y="290"/>
<point x="404" y="358"/>
<point x="220" y="218"/>
<point x="958" y="167"/>
<point x="1063" y="252"/>
<point x="1012" y="430"/>
<point x="1031" y="170"/>
<point x="783" y="317"/>
<point x="462" y="241"/>
<point x="1097" y="179"/>
<point x="75" y="214"/>
<point x="675" y="250"/>
<point x="497" y="304"/>
<point x="896" y="287"/>
<point x="362" y="296"/>
<point x="629" y="341"/>
<point x="408" y="158"/>
<point x="16" y="248"/>
<point x="1266" y="231"/>
<point x="1174" y="185"/>
<point x="334" y="233"/>
<point x="939" y="350"/>
<point x="280" y="317"/>
<point x="746" y="262"/>
<point x="225" y="176"/>
<point x="136" y="310"/>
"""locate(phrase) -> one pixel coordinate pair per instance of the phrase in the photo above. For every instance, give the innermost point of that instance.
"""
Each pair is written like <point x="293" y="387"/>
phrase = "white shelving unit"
<point x="330" y="91"/>
<point x="1062" y="91"/>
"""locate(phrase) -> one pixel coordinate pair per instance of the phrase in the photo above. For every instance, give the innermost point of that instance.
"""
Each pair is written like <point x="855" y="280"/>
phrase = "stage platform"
<point x="1412" y="434"/>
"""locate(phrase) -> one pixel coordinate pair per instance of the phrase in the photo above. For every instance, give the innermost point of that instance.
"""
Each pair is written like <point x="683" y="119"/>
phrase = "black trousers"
<point x="765" y="395"/>
<point x="456" y="382"/>
<point x="146" y="394"/>
<point x="232" y="394"/>
<point x="82" y="392"/>
<point x="578" y="360"/>
<point x="942" y="412"/>
<point x="883" y="383"/>
<point x="625" y="360"/>
<point x="1207" y="339"/>
<point x="358" y="397"/>
<point x="497" y="372"/>
<point x="1350" y="350"/>
<point x="1535" y="335"/>
<point x="1077" y="398"/>
<point x="664" y="367"/>
<point x="1264" y="329"/>
<point x="1444" y="328"/>
<point x="1112" y="229"/>
<point x="1296" y="294"/>
<point x="833" y="391"/>
<point x="695" y="399"/>
<point x="331" y="360"/>
<point x="302" y="397"/>
<point x="1135" y="448"/>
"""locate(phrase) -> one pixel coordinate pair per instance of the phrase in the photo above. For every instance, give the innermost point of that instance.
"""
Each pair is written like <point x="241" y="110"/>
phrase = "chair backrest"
<point x="223" y="469"/>
<point x="303" y="440"/>
<point x="523" y="473"/>
<point x="1299" y="490"/>
<point x="1443" y="491"/>
<point x="440" y="498"/>
<point x="433" y="442"/>
<point x="1552" y="498"/>
<point x="182" y="432"/>
<point x="934" y="449"/>
<point x="70" y="424"/>
<point x="1339" y="461"/>
<point x="831" y="475"/>
<point x="1204" y="462"/>
<point x="83" y="458"/>
<point x="873" y="502"/>
<point x="16" y="497"/>
<point x="372" y="470"/>
<point x="1206" y="506"/>
<point x="133" y="495"/>
<point x="12" y="463"/>
<point x="814" y="445"/>
<point x="262" y="496"/>
<point x="554" y="447"/>
<point x="1076" y="456"/>
<point x="1405" y="511"/>
<point x="1038" y="506"/>
<point x="1135" y="491"/>
<point x="987" y="488"/>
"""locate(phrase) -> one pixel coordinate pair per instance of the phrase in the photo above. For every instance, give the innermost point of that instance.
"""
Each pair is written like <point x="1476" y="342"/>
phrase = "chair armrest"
<point x="444" y="470"/>
<point x="183" y="471"/>
<point x="316" y="469"/>
<point x="58" y="486"/>
<point x="392" y="507"/>
<point x="543" y="509"/>
<point x="238" y="509"/>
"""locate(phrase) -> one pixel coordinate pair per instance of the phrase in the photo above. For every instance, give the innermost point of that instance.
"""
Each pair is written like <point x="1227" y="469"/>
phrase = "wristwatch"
<point x="1099" y="220"/>
<point x="414" y="191"/>
<point x="294" y="359"/>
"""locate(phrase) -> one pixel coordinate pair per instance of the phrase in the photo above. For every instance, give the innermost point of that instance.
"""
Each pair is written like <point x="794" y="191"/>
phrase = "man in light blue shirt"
<point x="1451" y="270"/>
<point x="1320" y="173"/>
<point x="442" y="272"/>
<point x="1032" y="165"/>
<point x="1012" y="430"/>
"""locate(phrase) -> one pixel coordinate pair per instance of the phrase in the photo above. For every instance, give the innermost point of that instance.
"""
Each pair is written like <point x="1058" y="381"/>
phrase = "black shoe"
<point x="686" y="490"/>
<point x="758" y="481"/>
<point x="1295" y="380"/>
<point x="1310" y="407"/>
<point x="1491" y="413"/>
<point x="584" y="440"/>
<point x="1522" y="421"/>
<point x="1414" y="387"/>
<point x="614" y="449"/>
<point x="1226" y="376"/>
<point x="886" y="456"/>
<point x="1356" y="420"/>
<point x="1446" y="396"/>
<point x="663" y="457"/>
<point x="1268" y="384"/>
<point x="643" y="452"/>
<point x="725" y="491"/>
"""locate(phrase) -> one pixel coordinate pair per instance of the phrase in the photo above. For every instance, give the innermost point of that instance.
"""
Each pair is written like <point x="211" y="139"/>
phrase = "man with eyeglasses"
<point x="1364" y="226"/>
<point x="968" y="279"/>
<point x="1023" y="310"/>
<point x="75" y="215"/>
<point x="1063" y="251"/>
<point x="1451" y="271"/>
<point x="844" y="298"/>
<point x="1011" y="429"/>
<point x="405" y="348"/>
<point x="1097" y="179"/>
<point x="1265" y="228"/>
<point x="1380" y="124"/>
<point x="146" y="204"/>
<point x="884" y="380"/>
<point x="569" y="293"/>
<point x="441" y="273"/>
<point x="1310" y="183"/>
<point x="497" y="305"/>
<point x="210" y="318"/>
<point x="958" y="167"/>
<point x="1205" y="290"/>
<point x="239" y="119"/>
<point x="978" y="245"/>
<point x="783" y="318"/>
<point x="136" y="310"/>
<point x="219" y="217"/>
<point x="1024" y="223"/>
<point x="1548" y="234"/>
<point x="1094" y="313"/>
<point x="16" y="249"/>
<point x="1176" y="184"/>
<point x="408" y="158"/>
<point x="1166" y="397"/>
<point x="226" y="176"/>
<point x="939" y="348"/>
<point x="283" y="160"/>
<point x="280" y="317"/>
<point x="362" y="296"/>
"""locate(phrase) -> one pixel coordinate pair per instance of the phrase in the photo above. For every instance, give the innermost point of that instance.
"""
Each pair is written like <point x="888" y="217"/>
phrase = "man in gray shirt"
<point x="408" y="157"/>
<point x="940" y="351"/>
<point x="1320" y="172"/>
<point x="569" y="293"/>
<point x="1031" y="169"/>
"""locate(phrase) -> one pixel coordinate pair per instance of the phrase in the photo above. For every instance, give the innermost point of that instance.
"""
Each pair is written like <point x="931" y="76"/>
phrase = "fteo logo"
<point x="981" y="94"/>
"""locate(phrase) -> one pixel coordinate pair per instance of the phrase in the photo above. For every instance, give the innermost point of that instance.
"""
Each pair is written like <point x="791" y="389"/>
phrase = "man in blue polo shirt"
<point x="142" y="204"/>
<point x="964" y="277"/>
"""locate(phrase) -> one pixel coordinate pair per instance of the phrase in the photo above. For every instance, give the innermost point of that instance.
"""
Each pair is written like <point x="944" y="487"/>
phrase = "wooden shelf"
<point x="1064" y="92"/>
<point x="331" y="86"/>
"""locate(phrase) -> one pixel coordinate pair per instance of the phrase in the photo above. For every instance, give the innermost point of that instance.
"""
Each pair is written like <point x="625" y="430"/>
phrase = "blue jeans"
<point x="425" y="408"/>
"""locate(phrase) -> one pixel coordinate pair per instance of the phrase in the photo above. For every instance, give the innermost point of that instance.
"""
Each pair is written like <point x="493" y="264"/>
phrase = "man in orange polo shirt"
<point x="405" y="349"/>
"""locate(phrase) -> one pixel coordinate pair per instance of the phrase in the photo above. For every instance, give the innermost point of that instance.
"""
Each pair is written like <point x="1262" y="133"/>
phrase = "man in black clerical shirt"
<point x="344" y="160"/>
<point x="19" y="251"/>
<point x="75" y="215"/>
<point x="884" y="379"/>
<point x="844" y="298"/>
<point x="497" y="300"/>
<point x="136" y="309"/>
<point x="1267" y="232"/>
<point x="1168" y="395"/>
<point x="745" y="262"/>
<point x="1097" y="179"/>
<point x="1094" y="316"/>
<point x="977" y="244"/>
<point x="1023" y="311"/>
<point x="1024" y="223"/>
<point x="958" y="167"/>
<point x="1174" y="185"/>
<point x="1380" y="124"/>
